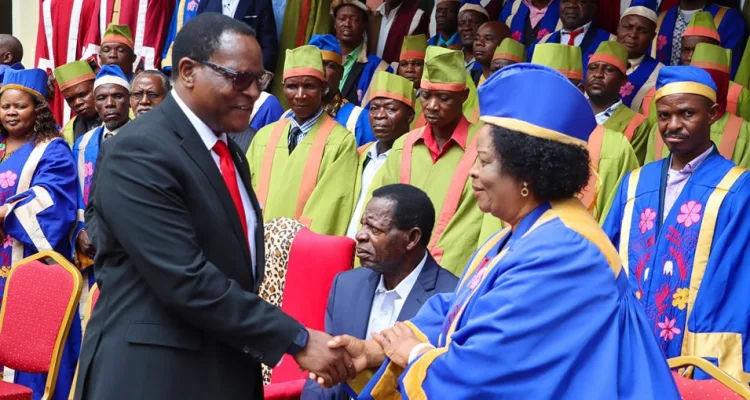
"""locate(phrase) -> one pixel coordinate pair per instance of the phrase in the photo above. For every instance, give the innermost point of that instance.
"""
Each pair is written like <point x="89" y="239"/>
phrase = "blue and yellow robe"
<point x="516" y="15"/>
<point x="640" y="81"/>
<point x="39" y="186"/>
<point x="266" y="110"/>
<point x="688" y="269"/>
<point x="542" y="312"/>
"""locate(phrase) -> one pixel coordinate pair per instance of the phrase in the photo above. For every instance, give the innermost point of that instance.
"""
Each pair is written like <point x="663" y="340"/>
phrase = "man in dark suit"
<point x="179" y="236"/>
<point x="256" y="13"/>
<point x="399" y="274"/>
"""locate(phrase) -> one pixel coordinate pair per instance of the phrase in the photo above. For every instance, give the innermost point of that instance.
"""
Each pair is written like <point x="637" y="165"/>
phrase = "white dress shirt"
<point x="387" y="304"/>
<point x="385" y="27"/>
<point x="565" y="35"/>
<point x="603" y="116"/>
<point x="209" y="138"/>
<point x="375" y="162"/>
<point x="229" y="7"/>
<point x="107" y="134"/>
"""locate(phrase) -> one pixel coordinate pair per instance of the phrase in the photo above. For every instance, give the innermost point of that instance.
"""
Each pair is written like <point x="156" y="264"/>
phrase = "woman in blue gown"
<point x="542" y="310"/>
<point x="38" y="197"/>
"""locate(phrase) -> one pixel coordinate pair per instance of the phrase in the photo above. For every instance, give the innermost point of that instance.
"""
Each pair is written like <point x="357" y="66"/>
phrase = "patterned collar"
<point x="333" y="107"/>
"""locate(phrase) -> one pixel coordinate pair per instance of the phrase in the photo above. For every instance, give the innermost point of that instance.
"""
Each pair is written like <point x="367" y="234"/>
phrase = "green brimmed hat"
<point x="304" y="61"/>
<point x="702" y="24"/>
<point x="510" y="49"/>
<point x="73" y="73"/>
<point x="565" y="59"/>
<point x="413" y="48"/>
<point x="711" y="56"/>
<point x="612" y="53"/>
<point x="444" y="69"/>
<point x="118" y="34"/>
<point x="392" y="86"/>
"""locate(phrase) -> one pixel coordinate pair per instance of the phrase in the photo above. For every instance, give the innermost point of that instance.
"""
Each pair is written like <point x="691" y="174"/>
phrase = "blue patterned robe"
<point x="640" y="82"/>
<point x="692" y="266"/>
<point x="38" y="183"/>
<point x="516" y="13"/>
<point x="542" y="313"/>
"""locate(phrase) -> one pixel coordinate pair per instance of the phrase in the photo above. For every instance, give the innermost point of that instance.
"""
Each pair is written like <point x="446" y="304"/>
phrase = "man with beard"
<point x="488" y="37"/>
<point x="508" y="53"/>
<point x="304" y="166"/>
<point x="446" y="17"/>
<point x="411" y="67"/>
<point x="681" y="227"/>
<point x="531" y="20"/>
<point x="391" y="111"/>
<point x="148" y="90"/>
<point x="578" y="28"/>
<point x="636" y="31"/>
<point x="399" y="274"/>
<point x="605" y="76"/>
<point x="76" y="82"/>
<point x="437" y="158"/>
<point x="471" y="16"/>
<point x="112" y="103"/>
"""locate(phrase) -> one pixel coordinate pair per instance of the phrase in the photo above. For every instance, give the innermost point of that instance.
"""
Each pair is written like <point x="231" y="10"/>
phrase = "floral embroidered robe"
<point x="688" y="268"/>
<point x="38" y="185"/>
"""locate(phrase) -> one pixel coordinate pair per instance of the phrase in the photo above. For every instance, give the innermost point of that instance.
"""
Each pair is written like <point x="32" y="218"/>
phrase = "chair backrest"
<point x="722" y="386"/>
<point x="39" y="304"/>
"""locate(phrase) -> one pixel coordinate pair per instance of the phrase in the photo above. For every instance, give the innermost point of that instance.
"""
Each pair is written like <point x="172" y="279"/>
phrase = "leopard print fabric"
<point x="279" y="234"/>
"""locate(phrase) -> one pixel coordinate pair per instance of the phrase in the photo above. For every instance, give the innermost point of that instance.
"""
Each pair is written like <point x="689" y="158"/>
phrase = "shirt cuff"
<point x="417" y="350"/>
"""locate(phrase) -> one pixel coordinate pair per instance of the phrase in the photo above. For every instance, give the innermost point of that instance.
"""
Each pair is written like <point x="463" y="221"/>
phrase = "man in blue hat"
<point x="681" y="227"/>
<point x="112" y="102"/>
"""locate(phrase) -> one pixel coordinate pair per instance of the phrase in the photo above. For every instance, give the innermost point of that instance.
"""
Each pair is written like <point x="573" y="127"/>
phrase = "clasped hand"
<point x="395" y="343"/>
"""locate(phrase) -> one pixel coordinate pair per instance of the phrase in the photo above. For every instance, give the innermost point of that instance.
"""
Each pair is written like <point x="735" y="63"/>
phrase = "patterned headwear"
<point x="526" y="111"/>
<point x="702" y="24"/>
<point x="510" y="49"/>
<point x="111" y="74"/>
<point x="612" y="53"/>
<point x="73" y="73"/>
<point x="413" y="47"/>
<point x="560" y="57"/>
<point x="391" y="86"/>
<point x="336" y="4"/>
<point x="444" y="69"/>
<point x="32" y="81"/>
<point x="330" y="49"/>
<point x="684" y="80"/>
<point x="643" y="8"/>
<point x="304" y="61"/>
<point x="118" y="34"/>
<point x="473" y="5"/>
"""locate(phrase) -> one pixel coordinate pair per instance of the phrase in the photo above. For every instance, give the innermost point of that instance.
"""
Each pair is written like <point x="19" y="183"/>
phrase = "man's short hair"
<point x="199" y="38"/>
<point x="412" y="208"/>
<point x="165" y="83"/>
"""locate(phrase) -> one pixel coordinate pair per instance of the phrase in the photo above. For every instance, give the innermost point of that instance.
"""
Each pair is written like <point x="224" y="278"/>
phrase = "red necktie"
<point x="572" y="36"/>
<point x="230" y="178"/>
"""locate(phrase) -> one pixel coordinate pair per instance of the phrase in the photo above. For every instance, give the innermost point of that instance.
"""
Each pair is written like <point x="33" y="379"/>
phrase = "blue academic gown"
<point x="731" y="30"/>
<point x="591" y="41"/>
<point x="542" y="313"/>
<point x="646" y="71"/>
<point x="183" y="12"/>
<point x="701" y="244"/>
<point x="48" y="203"/>
<point x="516" y="13"/>
<point x="269" y="111"/>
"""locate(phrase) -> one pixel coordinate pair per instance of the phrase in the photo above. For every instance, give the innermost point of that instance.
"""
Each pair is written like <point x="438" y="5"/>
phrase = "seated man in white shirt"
<point x="397" y="276"/>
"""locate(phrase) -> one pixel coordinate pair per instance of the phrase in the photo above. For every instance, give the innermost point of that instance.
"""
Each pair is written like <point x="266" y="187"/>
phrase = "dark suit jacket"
<point x="178" y="316"/>
<point x="350" y="301"/>
<point x="259" y="15"/>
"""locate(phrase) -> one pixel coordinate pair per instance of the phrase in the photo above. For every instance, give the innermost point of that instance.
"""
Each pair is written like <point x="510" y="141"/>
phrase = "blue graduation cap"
<point x="32" y="81"/>
<point x="565" y="117"/>
<point x="329" y="47"/>
<point x="643" y="8"/>
<point x="685" y="79"/>
<point x="111" y="74"/>
<point x="473" y="5"/>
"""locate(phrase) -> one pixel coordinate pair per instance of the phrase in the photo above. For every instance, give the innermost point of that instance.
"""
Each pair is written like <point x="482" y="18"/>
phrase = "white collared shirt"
<point x="634" y="64"/>
<point x="387" y="304"/>
<point x="385" y="27"/>
<point x="209" y="139"/>
<point x="565" y="35"/>
<point x="107" y="131"/>
<point x="229" y="7"/>
<point x="603" y="116"/>
<point x="375" y="162"/>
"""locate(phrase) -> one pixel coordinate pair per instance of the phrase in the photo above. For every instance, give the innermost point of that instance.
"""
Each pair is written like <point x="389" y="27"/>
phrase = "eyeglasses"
<point x="241" y="80"/>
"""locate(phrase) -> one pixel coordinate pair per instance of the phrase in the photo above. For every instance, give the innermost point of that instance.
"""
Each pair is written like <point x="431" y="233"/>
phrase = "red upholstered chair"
<point x="721" y="387"/>
<point x="39" y="304"/>
<point x="300" y="267"/>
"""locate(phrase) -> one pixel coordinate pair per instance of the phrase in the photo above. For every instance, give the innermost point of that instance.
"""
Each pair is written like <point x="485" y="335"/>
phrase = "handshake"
<point x="333" y="360"/>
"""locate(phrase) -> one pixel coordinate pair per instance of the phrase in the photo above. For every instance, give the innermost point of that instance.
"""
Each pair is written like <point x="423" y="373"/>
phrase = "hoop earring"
<point x="525" y="190"/>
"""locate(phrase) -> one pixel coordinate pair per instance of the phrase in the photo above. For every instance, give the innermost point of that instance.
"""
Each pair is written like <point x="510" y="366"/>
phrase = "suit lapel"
<point x="242" y="8"/>
<point x="350" y="86"/>
<point x="360" y="318"/>
<point x="419" y="294"/>
<point x="196" y="149"/>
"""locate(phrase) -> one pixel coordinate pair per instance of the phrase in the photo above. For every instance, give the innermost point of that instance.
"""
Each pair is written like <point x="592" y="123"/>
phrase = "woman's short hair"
<point x="553" y="170"/>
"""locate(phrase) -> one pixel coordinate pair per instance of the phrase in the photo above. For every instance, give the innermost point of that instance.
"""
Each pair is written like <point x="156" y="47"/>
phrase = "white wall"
<point x="25" y="25"/>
